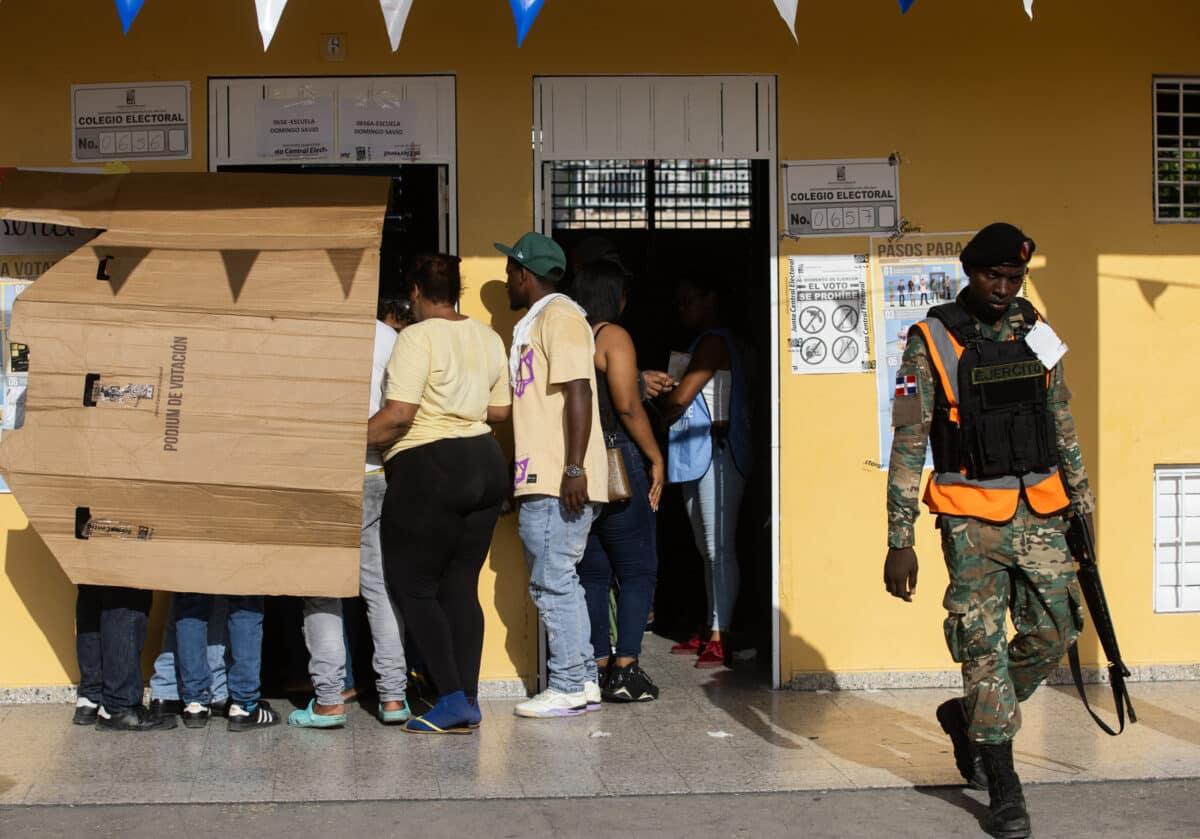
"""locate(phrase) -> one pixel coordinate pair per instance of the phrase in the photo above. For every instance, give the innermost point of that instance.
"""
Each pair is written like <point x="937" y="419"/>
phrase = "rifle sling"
<point x="1116" y="680"/>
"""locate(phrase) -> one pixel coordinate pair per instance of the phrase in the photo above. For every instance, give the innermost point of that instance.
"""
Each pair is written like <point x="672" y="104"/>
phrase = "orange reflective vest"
<point x="995" y="499"/>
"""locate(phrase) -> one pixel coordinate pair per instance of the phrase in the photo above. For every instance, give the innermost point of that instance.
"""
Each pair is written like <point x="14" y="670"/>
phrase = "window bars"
<point x="1177" y="149"/>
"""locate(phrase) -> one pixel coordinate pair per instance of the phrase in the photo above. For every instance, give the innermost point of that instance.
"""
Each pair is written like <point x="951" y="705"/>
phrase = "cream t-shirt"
<point x="559" y="351"/>
<point x="453" y="371"/>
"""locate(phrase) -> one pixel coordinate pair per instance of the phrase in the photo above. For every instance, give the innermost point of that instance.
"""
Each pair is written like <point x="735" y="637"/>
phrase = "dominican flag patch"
<point x="906" y="385"/>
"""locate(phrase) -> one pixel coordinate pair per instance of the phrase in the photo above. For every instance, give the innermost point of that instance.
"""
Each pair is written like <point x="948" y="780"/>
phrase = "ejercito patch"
<point x="1007" y="372"/>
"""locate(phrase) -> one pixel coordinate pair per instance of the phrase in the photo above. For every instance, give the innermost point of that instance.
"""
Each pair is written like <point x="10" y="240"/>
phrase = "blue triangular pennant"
<point x="905" y="5"/>
<point x="128" y="10"/>
<point x="524" y="13"/>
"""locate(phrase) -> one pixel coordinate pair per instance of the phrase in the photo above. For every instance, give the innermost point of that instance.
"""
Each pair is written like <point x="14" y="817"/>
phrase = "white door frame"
<point x="766" y="148"/>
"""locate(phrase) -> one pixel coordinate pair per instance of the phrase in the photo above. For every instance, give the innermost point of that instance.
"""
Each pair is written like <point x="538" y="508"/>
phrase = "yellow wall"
<point x="1045" y="124"/>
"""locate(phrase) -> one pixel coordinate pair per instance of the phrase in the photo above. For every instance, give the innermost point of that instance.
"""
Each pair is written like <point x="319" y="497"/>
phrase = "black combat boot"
<point x="1010" y="819"/>
<point x="952" y="716"/>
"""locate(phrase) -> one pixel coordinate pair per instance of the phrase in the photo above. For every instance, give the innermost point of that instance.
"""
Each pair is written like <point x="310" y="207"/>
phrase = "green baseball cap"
<point x="540" y="254"/>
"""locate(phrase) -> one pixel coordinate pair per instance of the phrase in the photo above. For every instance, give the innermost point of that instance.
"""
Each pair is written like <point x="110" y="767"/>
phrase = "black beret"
<point x="998" y="244"/>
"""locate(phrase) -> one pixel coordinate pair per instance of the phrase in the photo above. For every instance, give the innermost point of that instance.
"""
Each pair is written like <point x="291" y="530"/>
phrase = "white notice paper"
<point x="295" y="129"/>
<point x="1046" y="344"/>
<point x="377" y="128"/>
<point x="827" y="296"/>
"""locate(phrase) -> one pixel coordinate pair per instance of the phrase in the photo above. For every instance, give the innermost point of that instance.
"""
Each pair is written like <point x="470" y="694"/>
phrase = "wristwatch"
<point x="573" y="470"/>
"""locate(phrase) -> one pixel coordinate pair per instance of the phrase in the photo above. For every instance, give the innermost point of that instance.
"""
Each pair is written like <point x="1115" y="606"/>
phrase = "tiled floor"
<point x="710" y="732"/>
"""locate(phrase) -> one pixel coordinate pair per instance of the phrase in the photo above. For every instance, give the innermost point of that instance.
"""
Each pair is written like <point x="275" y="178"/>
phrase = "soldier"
<point x="981" y="380"/>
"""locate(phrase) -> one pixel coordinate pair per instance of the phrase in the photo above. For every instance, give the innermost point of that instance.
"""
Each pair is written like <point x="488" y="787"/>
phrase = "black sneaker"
<point x="195" y="715"/>
<point x="629" y="684"/>
<point x="261" y="715"/>
<point x="86" y="712"/>
<point x="136" y="718"/>
<point x="165" y="708"/>
<point x="220" y="709"/>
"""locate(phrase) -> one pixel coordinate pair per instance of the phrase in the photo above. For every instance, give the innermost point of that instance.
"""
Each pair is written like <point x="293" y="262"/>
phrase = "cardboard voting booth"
<point x="199" y="379"/>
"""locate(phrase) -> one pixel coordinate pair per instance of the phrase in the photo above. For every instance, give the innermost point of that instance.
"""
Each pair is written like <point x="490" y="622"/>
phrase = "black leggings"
<point x="441" y="507"/>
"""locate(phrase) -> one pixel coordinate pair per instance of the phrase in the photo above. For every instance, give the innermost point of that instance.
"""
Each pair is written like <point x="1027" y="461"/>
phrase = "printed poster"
<point x="27" y="250"/>
<point x="827" y="298"/>
<point x="910" y="275"/>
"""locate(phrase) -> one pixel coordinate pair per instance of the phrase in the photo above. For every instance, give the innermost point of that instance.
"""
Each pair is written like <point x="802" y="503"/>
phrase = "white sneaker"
<point x="591" y="690"/>
<point x="553" y="703"/>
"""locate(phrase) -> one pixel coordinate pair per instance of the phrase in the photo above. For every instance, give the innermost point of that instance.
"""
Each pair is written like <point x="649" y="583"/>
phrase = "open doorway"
<point x="666" y="218"/>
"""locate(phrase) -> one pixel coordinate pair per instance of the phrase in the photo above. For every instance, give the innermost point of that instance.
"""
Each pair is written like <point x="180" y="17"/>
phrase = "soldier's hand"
<point x="900" y="573"/>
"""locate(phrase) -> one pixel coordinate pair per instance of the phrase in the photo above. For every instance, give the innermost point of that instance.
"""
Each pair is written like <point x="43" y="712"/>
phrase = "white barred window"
<point x="1177" y="149"/>
<point x="1177" y="539"/>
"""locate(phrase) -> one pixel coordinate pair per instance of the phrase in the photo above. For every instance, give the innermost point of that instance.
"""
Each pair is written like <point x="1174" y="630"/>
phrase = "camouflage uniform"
<point x="1023" y="565"/>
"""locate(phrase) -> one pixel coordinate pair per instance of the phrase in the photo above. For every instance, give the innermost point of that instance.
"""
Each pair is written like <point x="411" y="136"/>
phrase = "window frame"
<point x="1181" y="85"/>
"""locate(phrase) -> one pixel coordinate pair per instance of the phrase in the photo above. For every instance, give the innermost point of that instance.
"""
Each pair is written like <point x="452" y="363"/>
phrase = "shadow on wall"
<point x="45" y="591"/>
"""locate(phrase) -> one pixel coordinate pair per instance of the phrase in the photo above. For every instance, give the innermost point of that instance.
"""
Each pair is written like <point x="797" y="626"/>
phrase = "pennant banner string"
<point x="787" y="10"/>
<point x="395" y="15"/>
<point x="128" y="10"/>
<point x="269" y="12"/>
<point x="524" y="13"/>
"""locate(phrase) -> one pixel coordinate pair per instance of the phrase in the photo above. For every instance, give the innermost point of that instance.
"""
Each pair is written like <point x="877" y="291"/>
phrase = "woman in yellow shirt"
<point x="447" y="477"/>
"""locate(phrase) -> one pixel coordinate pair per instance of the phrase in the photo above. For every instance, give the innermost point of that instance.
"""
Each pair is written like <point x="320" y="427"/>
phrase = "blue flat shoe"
<point x="420" y="725"/>
<point x="395" y="717"/>
<point x="307" y="718"/>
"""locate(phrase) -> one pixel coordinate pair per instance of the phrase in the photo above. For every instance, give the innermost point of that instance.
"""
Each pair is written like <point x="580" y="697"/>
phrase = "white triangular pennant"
<point x="269" y="12"/>
<point x="395" y="15"/>
<point x="787" y="10"/>
<point x="1029" y="8"/>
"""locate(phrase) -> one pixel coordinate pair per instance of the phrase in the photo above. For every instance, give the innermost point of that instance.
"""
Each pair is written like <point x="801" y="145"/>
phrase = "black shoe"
<point x="195" y="715"/>
<point x="136" y="718"/>
<point x="219" y="709"/>
<point x="165" y="708"/>
<point x="261" y="716"/>
<point x="603" y="674"/>
<point x="85" y="714"/>
<point x="629" y="684"/>
<point x="1009" y="817"/>
<point x="952" y="715"/>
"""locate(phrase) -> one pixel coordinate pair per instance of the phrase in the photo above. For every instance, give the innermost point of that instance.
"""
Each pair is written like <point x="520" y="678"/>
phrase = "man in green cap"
<point x="981" y="381"/>
<point x="561" y="470"/>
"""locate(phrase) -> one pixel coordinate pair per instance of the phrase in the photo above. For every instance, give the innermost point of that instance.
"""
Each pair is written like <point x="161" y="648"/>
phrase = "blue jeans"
<point x="110" y="629"/>
<point x="712" y="505"/>
<point x="166" y="683"/>
<point x="554" y="545"/>
<point x="193" y="613"/>
<point x="622" y="540"/>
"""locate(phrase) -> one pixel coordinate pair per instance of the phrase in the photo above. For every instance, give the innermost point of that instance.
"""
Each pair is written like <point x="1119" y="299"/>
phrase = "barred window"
<point x="1177" y="149"/>
<point x="645" y="194"/>
<point x="1177" y="539"/>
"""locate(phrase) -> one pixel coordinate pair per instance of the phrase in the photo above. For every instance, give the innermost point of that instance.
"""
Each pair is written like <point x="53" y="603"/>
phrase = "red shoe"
<point x="691" y="646"/>
<point x="712" y="656"/>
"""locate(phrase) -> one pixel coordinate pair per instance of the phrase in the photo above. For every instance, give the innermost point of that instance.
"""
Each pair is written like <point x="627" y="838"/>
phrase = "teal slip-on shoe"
<point x="307" y="718"/>
<point x="395" y="717"/>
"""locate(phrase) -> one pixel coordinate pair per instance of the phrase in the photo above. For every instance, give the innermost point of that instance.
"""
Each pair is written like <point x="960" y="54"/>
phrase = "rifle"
<point x="1083" y="548"/>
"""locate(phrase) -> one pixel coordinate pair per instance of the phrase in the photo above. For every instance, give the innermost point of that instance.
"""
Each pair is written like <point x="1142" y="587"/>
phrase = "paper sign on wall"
<point x="377" y="128"/>
<point x="827" y="296"/>
<point x="841" y="197"/>
<point x="295" y="129"/>
<point x="150" y="121"/>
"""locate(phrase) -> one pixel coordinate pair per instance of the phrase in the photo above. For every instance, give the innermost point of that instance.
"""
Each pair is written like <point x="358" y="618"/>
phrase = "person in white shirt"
<point x="323" y="629"/>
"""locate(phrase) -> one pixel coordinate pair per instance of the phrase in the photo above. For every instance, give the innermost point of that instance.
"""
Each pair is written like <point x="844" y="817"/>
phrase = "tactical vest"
<point x="993" y="432"/>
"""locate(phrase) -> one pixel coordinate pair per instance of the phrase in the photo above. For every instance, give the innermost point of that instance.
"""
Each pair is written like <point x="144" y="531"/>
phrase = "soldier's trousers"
<point x="1023" y="567"/>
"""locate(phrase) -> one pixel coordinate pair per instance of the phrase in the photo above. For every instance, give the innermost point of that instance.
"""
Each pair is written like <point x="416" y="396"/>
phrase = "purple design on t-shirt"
<point x="521" y="471"/>
<point x="524" y="374"/>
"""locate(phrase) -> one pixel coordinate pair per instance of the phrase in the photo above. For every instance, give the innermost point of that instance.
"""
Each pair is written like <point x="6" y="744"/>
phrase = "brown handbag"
<point x="619" y="488"/>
